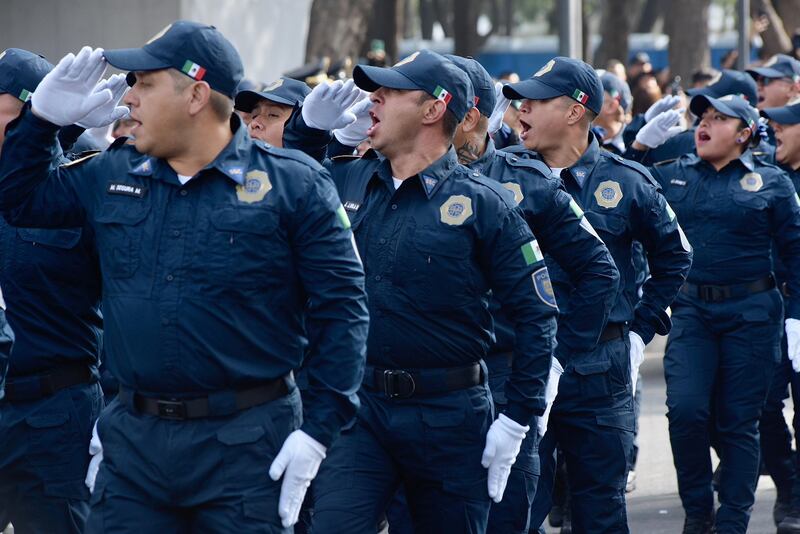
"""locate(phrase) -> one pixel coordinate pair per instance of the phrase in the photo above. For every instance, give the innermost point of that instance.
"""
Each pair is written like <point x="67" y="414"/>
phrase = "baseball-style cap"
<point x="198" y="50"/>
<point x="788" y="114"/>
<point x="21" y="71"/>
<point x="561" y="76"/>
<point x="730" y="105"/>
<point x="778" y="66"/>
<point x="284" y="91"/>
<point x="422" y="71"/>
<point x="729" y="82"/>
<point x="482" y="83"/>
<point x="618" y="89"/>
<point x="639" y="57"/>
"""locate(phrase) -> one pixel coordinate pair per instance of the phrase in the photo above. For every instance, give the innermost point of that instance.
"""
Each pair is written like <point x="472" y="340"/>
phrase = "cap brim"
<point x="531" y="89"/>
<point x="247" y="100"/>
<point x="134" y="59"/>
<point x="782" y="115"/>
<point x="765" y="72"/>
<point x="371" y="79"/>
<point x="700" y="103"/>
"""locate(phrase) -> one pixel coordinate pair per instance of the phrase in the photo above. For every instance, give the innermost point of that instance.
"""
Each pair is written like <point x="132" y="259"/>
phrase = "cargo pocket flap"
<point x="592" y="368"/>
<point x="621" y="421"/>
<point x="47" y="420"/>
<point x="240" y="435"/>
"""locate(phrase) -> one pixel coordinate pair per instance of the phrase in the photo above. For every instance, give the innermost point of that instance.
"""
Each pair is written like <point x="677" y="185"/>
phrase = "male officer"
<point x="614" y="115"/>
<point x="51" y="277"/>
<point x="778" y="81"/>
<point x="776" y="441"/>
<point x="435" y="238"/>
<point x="210" y="245"/>
<point x="270" y="107"/>
<point x="570" y="245"/>
<point x="592" y="417"/>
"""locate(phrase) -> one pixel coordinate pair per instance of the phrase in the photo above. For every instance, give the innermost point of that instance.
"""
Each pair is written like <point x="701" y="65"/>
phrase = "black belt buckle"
<point x="174" y="410"/>
<point x="392" y="383"/>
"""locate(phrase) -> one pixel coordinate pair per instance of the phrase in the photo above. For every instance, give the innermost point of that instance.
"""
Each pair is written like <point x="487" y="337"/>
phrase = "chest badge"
<point x="751" y="182"/>
<point x="455" y="210"/>
<point x="608" y="194"/>
<point x="255" y="187"/>
<point x="516" y="189"/>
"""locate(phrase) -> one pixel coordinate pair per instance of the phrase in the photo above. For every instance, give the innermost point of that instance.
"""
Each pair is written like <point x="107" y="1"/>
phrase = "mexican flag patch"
<point x="442" y="94"/>
<point x="193" y="70"/>
<point x="580" y="96"/>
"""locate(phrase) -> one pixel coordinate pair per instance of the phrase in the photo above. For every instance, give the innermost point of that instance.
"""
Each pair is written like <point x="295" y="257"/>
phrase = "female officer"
<point x="727" y="318"/>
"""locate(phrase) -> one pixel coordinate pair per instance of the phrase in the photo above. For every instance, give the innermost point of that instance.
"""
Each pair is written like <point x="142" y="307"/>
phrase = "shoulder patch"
<point x="82" y="158"/>
<point x="544" y="287"/>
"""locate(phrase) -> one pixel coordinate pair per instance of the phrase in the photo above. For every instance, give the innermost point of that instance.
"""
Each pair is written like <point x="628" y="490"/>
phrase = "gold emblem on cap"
<point x="2" y="54"/>
<point x="516" y="189"/>
<point x="608" y="194"/>
<point x="726" y="98"/>
<point x="409" y="59"/>
<point x="752" y="182"/>
<point x="544" y="70"/>
<point x="714" y="79"/>
<point x="160" y="34"/>
<point x="274" y="85"/>
<point x="456" y="210"/>
<point x="256" y="185"/>
<point x="771" y="61"/>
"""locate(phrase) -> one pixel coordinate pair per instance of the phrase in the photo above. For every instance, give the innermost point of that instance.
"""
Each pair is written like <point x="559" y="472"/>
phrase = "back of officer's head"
<point x="417" y="102"/>
<point x="183" y="84"/>
<point x="476" y="121"/>
<point x="20" y="73"/>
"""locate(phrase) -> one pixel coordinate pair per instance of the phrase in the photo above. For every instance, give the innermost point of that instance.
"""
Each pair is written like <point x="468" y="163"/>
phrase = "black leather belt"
<point x="712" y="293"/>
<point x="200" y="407"/>
<point x="613" y="331"/>
<point x="35" y="387"/>
<point x="402" y="384"/>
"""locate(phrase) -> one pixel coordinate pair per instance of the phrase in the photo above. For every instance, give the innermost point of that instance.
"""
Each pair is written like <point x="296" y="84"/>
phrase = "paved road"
<point x="654" y="507"/>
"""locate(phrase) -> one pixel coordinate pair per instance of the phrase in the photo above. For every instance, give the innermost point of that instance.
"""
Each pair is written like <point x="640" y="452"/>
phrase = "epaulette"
<point x="295" y="155"/>
<point x="345" y="157"/>
<point x="638" y="167"/>
<point x="527" y="162"/>
<point x="665" y="162"/>
<point x="494" y="185"/>
<point x="83" y="156"/>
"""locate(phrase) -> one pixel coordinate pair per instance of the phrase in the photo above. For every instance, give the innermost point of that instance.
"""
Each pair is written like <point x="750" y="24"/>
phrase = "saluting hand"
<point x="326" y="107"/>
<point x="110" y="111"/>
<point x="501" y="104"/>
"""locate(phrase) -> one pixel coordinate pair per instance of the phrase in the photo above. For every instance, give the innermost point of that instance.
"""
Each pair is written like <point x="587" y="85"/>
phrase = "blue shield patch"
<point x="544" y="288"/>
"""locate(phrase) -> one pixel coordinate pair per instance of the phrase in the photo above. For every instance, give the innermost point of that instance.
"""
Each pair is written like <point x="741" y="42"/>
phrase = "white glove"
<point x="356" y="131"/>
<point x="326" y="107"/>
<point x="665" y="103"/>
<point x="110" y="111"/>
<point x="500" y="106"/>
<point x="659" y="130"/>
<point x="502" y="446"/>
<point x="793" y="342"/>
<point x="66" y="95"/>
<point x="637" y="357"/>
<point x="96" y="450"/>
<point x="298" y="461"/>
<point x="550" y="392"/>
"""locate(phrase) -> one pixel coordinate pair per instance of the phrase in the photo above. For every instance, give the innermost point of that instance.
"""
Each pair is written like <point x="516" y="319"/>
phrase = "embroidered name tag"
<point x="126" y="189"/>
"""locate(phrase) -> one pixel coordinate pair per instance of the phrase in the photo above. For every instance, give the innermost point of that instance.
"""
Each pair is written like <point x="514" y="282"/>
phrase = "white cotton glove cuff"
<point x="659" y="130"/>
<point x="550" y="393"/>
<point x="637" y="357"/>
<point x="501" y="104"/>
<point x="96" y="451"/>
<point x="298" y="462"/>
<point x="355" y="132"/>
<point x="503" y="442"/>
<point x="326" y="107"/>
<point x="793" y="342"/>
<point x="663" y="104"/>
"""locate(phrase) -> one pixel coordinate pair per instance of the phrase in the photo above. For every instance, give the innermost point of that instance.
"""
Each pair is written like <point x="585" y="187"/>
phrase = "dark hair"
<point x="449" y="120"/>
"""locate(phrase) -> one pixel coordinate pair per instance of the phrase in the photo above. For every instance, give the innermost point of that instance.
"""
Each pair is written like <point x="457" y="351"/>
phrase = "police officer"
<point x="568" y="242"/>
<point x="614" y="116"/>
<point x="776" y="441"/>
<point x="210" y="246"/>
<point x="778" y="81"/>
<point x="721" y="353"/>
<point x="435" y="237"/>
<point x="51" y="277"/>
<point x="592" y="417"/>
<point x="270" y="107"/>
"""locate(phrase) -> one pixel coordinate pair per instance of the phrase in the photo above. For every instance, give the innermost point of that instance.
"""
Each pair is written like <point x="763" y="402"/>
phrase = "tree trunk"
<point x="687" y="28"/>
<point x="443" y="11"/>
<point x="337" y="28"/>
<point x="467" y="41"/>
<point x="776" y="40"/>
<point x="651" y="12"/>
<point x="426" y="18"/>
<point x="618" y="17"/>
<point x="789" y="12"/>
<point x="508" y="17"/>
<point x="385" y="23"/>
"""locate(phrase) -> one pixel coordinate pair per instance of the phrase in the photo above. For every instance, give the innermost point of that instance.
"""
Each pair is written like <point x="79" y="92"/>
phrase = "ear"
<point x="471" y="120"/>
<point x="575" y="113"/>
<point x="743" y="136"/>
<point x="433" y="111"/>
<point x="199" y="95"/>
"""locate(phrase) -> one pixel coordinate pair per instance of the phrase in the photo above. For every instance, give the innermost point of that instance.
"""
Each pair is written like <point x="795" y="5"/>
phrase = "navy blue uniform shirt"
<point x="432" y="251"/>
<point x="780" y="269"/>
<point x="205" y="284"/>
<point x="569" y="243"/>
<point x="731" y="216"/>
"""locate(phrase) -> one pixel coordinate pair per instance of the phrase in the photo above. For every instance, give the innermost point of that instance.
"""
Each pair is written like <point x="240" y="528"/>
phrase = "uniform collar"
<point x="485" y="160"/>
<point x="430" y="178"/>
<point x="582" y="169"/>
<point x="746" y="160"/>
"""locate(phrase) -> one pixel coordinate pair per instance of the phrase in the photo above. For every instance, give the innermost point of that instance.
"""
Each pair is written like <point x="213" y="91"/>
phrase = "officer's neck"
<point x="722" y="162"/>
<point x="471" y="147"/>
<point x="406" y="164"/>
<point x="567" y="153"/>
<point x="202" y="146"/>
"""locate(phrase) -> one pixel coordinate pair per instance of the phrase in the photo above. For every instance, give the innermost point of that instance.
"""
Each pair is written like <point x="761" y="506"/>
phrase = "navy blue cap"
<point x="617" y="89"/>
<point x="639" y="57"/>
<point x="729" y="82"/>
<point x="284" y="91"/>
<point x="778" y="66"/>
<point x="422" y="71"/>
<point x="21" y="71"/>
<point x="198" y="50"/>
<point x="730" y="105"/>
<point x="561" y="76"/>
<point x="482" y="83"/>
<point x="788" y="114"/>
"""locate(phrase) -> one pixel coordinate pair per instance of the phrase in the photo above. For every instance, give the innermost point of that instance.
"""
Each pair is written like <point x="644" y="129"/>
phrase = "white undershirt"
<point x="182" y="178"/>
<point x="397" y="183"/>
<point x="557" y="171"/>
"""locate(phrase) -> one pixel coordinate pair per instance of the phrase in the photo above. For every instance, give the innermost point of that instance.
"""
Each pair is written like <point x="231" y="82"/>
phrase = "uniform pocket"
<point x="51" y="438"/>
<point x="593" y="378"/>
<point x="65" y="238"/>
<point x="119" y="237"/>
